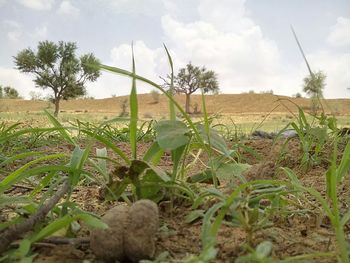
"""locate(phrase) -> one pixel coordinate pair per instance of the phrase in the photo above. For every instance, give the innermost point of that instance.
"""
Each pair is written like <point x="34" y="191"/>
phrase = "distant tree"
<point x="9" y="93"/>
<point x="1" y="92"/>
<point x="191" y="78"/>
<point x="297" y="95"/>
<point x="55" y="66"/>
<point x="314" y="84"/>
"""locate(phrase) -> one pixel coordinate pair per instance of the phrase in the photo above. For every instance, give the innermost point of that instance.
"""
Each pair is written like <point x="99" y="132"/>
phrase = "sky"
<point x="248" y="43"/>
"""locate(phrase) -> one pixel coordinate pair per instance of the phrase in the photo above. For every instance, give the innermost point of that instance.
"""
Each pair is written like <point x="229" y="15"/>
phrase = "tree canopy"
<point x="56" y="66"/>
<point x="314" y="84"/>
<point x="192" y="78"/>
<point x="9" y="93"/>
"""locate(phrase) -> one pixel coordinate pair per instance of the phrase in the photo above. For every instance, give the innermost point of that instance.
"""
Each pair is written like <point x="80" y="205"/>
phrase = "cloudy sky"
<point x="247" y="42"/>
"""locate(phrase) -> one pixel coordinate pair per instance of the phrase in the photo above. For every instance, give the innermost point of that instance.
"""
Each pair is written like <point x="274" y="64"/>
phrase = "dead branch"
<point x="14" y="232"/>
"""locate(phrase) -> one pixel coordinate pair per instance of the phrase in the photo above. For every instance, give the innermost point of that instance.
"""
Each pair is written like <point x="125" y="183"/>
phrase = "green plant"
<point x="60" y="173"/>
<point x="313" y="136"/>
<point x="330" y="205"/>
<point x="259" y="255"/>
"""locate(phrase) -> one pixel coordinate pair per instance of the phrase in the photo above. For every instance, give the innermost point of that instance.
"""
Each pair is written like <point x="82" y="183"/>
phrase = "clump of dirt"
<point x="131" y="233"/>
<point x="108" y="244"/>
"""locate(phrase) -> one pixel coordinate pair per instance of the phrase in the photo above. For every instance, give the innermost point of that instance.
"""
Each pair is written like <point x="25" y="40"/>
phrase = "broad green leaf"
<point x="171" y="134"/>
<point x="216" y="140"/>
<point x="264" y="249"/>
<point x="153" y="154"/>
<point x="226" y="172"/>
<point x="102" y="161"/>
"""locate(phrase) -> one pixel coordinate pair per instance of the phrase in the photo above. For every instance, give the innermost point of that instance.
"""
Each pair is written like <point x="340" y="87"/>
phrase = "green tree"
<point x="1" y="92"/>
<point x="10" y="93"/>
<point x="56" y="66"/>
<point x="191" y="78"/>
<point x="314" y="84"/>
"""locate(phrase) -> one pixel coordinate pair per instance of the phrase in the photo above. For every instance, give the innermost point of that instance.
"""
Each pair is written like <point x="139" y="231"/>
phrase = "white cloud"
<point x="39" y="5"/>
<point x="40" y="33"/>
<point x="244" y="60"/>
<point x="336" y="67"/>
<point x="3" y="2"/>
<point x="136" y="7"/>
<point x="66" y="8"/>
<point x="226" y="15"/>
<point x="150" y="63"/>
<point x="13" y="29"/>
<point x="225" y="39"/>
<point x="340" y="33"/>
<point x="21" y="82"/>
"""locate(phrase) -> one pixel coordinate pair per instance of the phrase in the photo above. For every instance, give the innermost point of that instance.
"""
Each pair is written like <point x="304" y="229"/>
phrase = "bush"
<point x="297" y="95"/>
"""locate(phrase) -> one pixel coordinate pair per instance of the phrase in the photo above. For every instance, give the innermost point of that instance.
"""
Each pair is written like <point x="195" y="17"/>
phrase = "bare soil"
<point x="293" y="234"/>
<point x="222" y="103"/>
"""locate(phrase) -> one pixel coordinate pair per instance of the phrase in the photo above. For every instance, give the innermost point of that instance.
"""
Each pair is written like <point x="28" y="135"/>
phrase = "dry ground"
<point x="222" y="103"/>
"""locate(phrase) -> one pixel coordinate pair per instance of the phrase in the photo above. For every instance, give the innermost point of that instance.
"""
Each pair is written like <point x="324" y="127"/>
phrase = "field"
<point x="224" y="193"/>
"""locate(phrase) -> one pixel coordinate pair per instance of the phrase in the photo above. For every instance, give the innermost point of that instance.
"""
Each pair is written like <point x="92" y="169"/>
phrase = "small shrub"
<point x="196" y="109"/>
<point x="124" y="109"/>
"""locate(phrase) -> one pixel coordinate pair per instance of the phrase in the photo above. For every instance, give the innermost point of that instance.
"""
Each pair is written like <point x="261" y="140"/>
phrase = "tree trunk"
<point x="57" y="106"/>
<point x="187" y="105"/>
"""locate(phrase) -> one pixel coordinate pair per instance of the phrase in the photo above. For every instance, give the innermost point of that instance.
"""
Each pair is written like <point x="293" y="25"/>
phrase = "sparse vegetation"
<point x="222" y="196"/>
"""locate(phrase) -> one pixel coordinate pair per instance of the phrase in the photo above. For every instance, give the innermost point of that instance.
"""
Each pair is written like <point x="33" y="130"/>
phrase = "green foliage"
<point x="56" y="67"/>
<point x="9" y="93"/>
<point x="314" y="84"/>
<point x="192" y="78"/>
<point x="330" y="204"/>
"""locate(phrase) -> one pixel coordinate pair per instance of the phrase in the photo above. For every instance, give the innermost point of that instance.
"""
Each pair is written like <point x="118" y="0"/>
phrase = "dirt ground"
<point x="221" y="103"/>
<point x="293" y="234"/>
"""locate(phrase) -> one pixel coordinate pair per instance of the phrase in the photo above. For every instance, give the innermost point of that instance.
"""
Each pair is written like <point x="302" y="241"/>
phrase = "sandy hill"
<point x="223" y="103"/>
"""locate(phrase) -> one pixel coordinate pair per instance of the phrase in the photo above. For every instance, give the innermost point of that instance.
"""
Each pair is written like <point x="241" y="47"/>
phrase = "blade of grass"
<point x="133" y="110"/>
